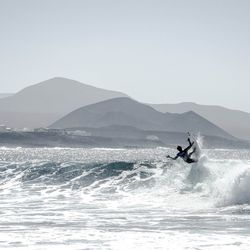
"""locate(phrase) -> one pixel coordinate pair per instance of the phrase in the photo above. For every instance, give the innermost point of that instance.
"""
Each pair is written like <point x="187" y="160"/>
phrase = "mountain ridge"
<point x="128" y="112"/>
<point x="56" y="97"/>
<point x="235" y="122"/>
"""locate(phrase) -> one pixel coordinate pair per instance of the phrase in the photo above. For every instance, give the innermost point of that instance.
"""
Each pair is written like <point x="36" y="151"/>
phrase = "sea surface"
<point x="62" y="198"/>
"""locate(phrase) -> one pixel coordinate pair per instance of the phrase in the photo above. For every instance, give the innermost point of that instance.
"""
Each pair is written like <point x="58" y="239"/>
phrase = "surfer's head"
<point x="179" y="148"/>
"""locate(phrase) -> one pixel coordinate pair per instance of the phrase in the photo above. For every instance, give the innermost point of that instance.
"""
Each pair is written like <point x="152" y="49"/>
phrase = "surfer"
<point x="183" y="153"/>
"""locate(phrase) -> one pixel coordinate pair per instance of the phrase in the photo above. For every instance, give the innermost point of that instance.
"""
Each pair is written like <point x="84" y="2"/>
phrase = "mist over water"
<point x="123" y="199"/>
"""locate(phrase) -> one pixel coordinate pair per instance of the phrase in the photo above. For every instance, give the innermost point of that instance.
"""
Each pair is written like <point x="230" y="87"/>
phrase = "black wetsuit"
<point x="185" y="156"/>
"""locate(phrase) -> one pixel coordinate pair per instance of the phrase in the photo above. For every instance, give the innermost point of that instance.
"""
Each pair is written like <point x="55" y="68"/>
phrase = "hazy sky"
<point x="156" y="51"/>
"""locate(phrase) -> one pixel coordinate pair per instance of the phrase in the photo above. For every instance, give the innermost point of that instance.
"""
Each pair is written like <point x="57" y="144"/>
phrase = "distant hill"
<point x="118" y="111"/>
<point x="45" y="102"/>
<point x="235" y="122"/>
<point x="127" y="112"/>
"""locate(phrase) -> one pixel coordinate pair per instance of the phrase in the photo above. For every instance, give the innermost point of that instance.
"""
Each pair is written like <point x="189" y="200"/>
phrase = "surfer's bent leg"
<point x="190" y="145"/>
<point x="189" y="155"/>
<point x="191" y="160"/>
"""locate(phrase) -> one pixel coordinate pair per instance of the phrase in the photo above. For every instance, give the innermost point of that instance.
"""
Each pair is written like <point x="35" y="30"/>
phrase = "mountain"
<point x="233" y="121"/>
<point x="45" y="102"/>
<point x="127" y="112"/>
<point x="118" y="111"/>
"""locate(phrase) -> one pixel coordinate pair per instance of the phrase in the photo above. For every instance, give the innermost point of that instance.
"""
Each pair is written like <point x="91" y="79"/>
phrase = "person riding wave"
<point x="183" y="153"/>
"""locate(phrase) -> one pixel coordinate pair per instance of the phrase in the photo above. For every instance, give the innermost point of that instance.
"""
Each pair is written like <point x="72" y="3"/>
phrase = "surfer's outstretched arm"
<point x="172" y="158"/>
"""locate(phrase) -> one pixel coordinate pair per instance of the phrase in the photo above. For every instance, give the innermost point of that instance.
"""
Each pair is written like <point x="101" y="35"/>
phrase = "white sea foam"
<point x="123" y="199"/>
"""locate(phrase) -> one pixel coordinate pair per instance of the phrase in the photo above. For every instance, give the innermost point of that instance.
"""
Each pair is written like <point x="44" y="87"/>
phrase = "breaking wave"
<point x="219" y="182"/>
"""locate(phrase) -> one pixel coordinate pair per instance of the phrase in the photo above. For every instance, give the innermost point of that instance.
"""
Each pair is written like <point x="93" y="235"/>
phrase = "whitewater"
<point x="64" y="198"/>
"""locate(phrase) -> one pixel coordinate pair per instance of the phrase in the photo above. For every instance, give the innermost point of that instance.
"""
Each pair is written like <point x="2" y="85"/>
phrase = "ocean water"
<point x="63" y="198"/>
